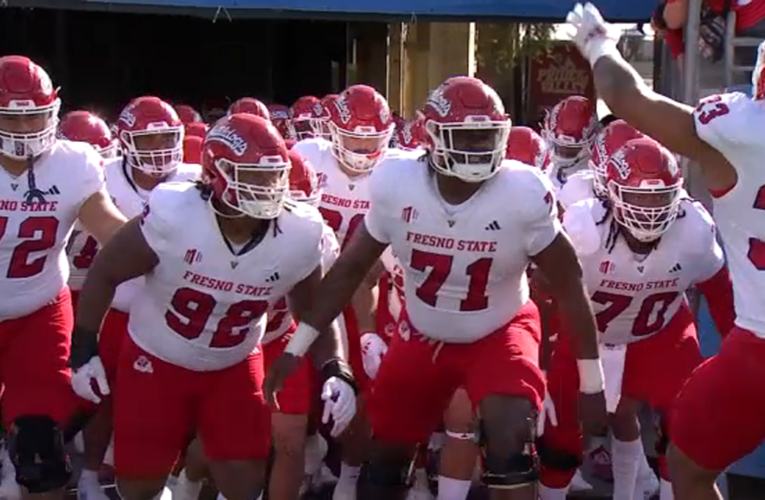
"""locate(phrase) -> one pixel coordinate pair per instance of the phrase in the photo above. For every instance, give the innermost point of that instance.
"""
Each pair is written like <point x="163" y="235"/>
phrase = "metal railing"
<point x="732" y="42"/>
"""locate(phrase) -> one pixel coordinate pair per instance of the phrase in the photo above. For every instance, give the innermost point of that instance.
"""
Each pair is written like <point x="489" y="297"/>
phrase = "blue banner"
<point x="555" y="10"/>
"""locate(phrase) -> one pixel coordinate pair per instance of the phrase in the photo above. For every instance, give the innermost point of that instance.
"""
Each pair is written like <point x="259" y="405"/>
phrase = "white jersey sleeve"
<point x="93" y="179"/>
<point x="721" y="122"/>
<point x="710" y="254"/>
<point x="330" y="248"/>
<point x="580" y="221"/>
<point x="577" y="188"/>
<point x="540" y="214"/>
<point x="379" y="218"/>
<point x="157" y="221"/>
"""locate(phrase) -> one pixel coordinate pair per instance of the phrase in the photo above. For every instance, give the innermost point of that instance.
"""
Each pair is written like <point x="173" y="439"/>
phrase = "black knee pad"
<point x="387" y="474"/>
<point x="36" y="447"/>
<point x="555" y="459"/>
<point x="508" y="472"/>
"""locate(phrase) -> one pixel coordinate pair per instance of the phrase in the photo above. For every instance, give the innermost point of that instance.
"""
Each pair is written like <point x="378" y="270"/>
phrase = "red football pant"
<point x="719" y="416"/>
<point x="295" y="396"/>
<point x="418" y="378"/>
<point x="34" y="351"/>
<point x="654" y="371"/>
<point x="113" y="334"/>
<point x="158" y="408"/>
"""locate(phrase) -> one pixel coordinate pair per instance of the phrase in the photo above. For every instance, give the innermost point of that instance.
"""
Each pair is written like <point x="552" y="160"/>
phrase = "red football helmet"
<point x="197" y="129"/>
<point x="526" y="146"/>
<point x="187" y="114"/>
<point x="249" y="105"/>
<point x="151" y="135"/>
<point x="29" y="107"/>
<point x="644" y="185"/>
<point x="568" y="129"/>
<point x="466" y="129"/>
<point x="606" y="143"/>
<point x="192" y="149"/>
<point x="321" y="115"/>
<point x="84" y="126"/>
<point x="360" y="127"/>
<point x="246" y="163"/>
<point x="410" y="136"/>
<point x="304" y="183"/>
<point x="281" y="117"/>
<point x="302" y="114"/>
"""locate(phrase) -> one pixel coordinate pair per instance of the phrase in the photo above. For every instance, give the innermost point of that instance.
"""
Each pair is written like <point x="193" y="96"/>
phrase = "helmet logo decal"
<point x="619" y="161"/>
<point x="128" y="117"/>
<point x="439" y="102"/>
<point x="45" y="84"/>
<point x="228" y="136"/>
<point x="406" y="132"/>
<point x="672" y="166"/>
<point x="384" y="113"/>
<point x="341" y="104"/>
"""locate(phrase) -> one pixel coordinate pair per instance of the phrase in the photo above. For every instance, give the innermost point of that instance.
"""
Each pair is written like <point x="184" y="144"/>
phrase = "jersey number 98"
<point x="190" y="311"/>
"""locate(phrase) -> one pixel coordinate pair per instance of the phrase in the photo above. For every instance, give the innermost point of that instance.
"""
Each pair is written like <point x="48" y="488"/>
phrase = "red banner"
<point x="553" y="76"/>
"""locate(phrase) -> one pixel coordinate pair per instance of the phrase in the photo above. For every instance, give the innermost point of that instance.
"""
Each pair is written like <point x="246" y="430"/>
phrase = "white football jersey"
<point x="130" y="199"/>
<point x="633" y="296"/>
<point x="204" y="307"/>
<point x="559" y="176"/>
<point x="38" y="211"/>
<point x="733" y="124"/>
<point x="344" y="199"/>
<point x="465" y="266"/>
<point x="279" y="317"/>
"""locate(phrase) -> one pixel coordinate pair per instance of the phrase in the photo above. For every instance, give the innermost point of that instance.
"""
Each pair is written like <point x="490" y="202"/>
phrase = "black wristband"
<point x="339" y="368"/>
<point x="84" y="346"/>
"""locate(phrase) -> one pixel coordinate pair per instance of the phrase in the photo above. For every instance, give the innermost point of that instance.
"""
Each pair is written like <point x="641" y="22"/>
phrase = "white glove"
<point x="547" y="411"/>
<point x="339" y="403"/>
<point x="373" y="349"/>
<point x="591" y="33"/>
<point x="82" y="377"/>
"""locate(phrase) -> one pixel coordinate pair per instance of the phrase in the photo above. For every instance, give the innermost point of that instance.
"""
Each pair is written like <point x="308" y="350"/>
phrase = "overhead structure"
<point x="542" y="10"/>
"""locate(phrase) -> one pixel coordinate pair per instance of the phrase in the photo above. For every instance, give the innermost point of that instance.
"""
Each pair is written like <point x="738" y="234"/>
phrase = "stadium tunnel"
<point x="102" y="58"/>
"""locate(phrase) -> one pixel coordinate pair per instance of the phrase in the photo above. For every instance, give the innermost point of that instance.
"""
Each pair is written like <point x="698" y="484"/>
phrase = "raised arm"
<point x="628" y="97"/>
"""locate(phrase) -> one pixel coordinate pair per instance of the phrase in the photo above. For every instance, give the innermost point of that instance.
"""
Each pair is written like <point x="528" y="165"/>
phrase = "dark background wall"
<point x="102" y="59"/>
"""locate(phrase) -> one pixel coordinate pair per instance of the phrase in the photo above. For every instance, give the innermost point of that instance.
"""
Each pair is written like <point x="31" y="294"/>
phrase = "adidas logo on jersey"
<point x="273" y="278"/>
<point x="494" y="226"/>
<point x="676" y="268"/>
<point x="53" y="190"/>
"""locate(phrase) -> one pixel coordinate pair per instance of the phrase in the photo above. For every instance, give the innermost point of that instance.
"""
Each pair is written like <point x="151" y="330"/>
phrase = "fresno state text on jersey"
<point x="465" y="266"/>
<point x="38" y="210"/>
<point x="203" y="308"/>
<point x="633" y="298"/>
